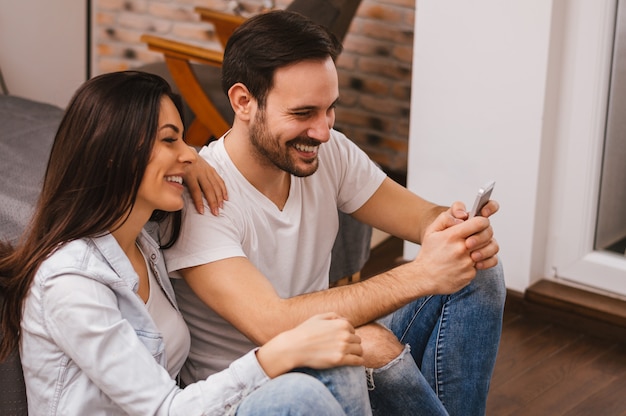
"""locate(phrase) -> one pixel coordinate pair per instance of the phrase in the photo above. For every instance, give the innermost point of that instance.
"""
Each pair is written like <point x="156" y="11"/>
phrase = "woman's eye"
<point x="170" y="140"/>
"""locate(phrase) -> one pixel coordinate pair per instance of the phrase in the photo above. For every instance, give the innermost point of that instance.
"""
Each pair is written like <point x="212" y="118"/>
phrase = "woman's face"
<point x="162" y="184"/>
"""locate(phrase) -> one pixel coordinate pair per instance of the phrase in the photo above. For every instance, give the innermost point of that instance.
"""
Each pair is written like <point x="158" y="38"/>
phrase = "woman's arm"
<point x="322" y="341"/>
<point x="84" y="319"/>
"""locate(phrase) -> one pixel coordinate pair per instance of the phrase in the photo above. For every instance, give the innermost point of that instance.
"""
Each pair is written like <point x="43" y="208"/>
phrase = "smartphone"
<point x="482" y="197"/>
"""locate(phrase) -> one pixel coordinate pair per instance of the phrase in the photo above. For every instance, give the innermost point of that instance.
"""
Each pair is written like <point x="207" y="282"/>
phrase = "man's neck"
<point x="271" y="181"/>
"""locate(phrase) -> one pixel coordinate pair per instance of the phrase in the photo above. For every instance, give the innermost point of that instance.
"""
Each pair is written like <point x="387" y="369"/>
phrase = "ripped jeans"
<point x="451" y="347"/>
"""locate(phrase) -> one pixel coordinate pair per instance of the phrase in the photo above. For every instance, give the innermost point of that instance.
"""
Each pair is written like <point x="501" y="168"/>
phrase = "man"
<point x="261" y="267"/>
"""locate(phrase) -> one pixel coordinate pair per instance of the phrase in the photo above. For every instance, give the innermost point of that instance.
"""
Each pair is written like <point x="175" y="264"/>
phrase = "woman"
<point x="87" y="296"/>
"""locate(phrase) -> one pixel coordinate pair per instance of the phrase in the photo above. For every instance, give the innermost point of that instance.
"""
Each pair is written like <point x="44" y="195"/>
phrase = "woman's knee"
<point x="290" y="394"/>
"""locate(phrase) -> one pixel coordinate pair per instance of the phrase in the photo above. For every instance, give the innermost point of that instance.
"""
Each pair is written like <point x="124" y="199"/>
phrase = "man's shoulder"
<point x="214" y="152"/>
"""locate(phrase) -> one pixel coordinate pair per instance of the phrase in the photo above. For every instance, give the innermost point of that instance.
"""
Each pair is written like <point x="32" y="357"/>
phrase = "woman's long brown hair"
<point x="96" y="164"/>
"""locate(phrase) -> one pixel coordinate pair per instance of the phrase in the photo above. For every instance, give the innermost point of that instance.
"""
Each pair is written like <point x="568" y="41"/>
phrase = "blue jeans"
<point x="453" y="341"/>
<point x="337" y="391"/>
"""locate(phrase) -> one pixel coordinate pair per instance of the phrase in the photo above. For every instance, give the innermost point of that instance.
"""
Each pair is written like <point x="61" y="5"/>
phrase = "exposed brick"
<point x="374" y="69"/>
<point x="136" y="21"/>
<point x="173" y="11"/>
<point x="402" y="129"/>
<point x="122" y="34"/>
<point x="145" y="56"/>
<point x="380" y="30"/>
<point x="364" y="120"/>
<point x="346" y="61"/>
<point x="112" y="65"/>
<point x="363" y="46"/>
<point x="383" y="105"/>
<point x="403" y="53"/>
<point x="409" y="4"/>
<point x="370" y="85"/>
<point x="197" y="32"/>
<point x="401" y="92"/>
<point x="347" y="98"/>
<point x="109" y="4"/>
<point x="389" y="14"/>
<point x="105" y="49"/>
<point x="386" y="67"/>
<point x="105" y="18"/>
<point x="136" y="6"/>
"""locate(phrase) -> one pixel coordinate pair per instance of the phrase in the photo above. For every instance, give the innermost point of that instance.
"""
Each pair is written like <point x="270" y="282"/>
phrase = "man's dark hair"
<point x="269" y="41"/>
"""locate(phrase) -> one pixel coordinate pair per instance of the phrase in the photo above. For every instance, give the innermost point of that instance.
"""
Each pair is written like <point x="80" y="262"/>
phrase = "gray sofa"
<point x="25" y="141"/>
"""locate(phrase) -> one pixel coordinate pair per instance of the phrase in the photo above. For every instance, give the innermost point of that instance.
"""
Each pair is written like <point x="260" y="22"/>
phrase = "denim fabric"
<point x="454" y="341"/>
<point x="347" y="385"/>
<point x="339" y="391"/>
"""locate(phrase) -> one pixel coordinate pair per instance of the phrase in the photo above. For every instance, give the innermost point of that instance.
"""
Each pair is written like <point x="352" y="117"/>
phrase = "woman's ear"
<point x="241" y="101"/>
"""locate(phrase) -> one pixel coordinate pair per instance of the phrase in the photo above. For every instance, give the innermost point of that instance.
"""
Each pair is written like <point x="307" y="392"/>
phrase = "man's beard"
<point x="269" y="151"/>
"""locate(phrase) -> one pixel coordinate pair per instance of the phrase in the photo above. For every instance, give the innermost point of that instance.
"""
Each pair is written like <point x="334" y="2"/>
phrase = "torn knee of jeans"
<point x="369" y="372"/>
<point x="406" y="351"/>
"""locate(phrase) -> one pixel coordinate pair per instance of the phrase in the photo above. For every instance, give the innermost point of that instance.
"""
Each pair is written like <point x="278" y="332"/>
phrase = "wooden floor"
<point x="543" y="368"/>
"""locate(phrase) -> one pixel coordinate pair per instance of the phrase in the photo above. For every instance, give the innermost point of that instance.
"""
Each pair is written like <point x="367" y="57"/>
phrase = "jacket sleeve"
<point x="83" y="318"/>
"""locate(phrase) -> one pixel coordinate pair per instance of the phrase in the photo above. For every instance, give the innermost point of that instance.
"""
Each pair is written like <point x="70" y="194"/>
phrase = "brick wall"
<point x="374" y="69"/>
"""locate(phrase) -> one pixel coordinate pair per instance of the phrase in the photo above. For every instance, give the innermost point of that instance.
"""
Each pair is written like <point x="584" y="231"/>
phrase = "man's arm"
<point x="399" y="212"/>
<point x="235" y="289"/>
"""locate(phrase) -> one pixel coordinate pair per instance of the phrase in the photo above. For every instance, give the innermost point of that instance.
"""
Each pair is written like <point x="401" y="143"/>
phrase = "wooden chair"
<point x="195" y="71"/>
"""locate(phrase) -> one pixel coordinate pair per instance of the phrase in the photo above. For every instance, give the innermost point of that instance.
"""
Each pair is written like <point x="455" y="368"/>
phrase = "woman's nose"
<point x="188" y="154"/>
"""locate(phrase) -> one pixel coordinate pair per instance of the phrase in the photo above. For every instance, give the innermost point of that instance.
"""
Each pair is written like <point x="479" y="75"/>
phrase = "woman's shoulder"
<point x="79" y="256"/>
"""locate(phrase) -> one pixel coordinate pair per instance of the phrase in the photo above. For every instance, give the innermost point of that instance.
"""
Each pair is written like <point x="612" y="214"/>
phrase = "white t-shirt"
<point x="292" y="247"/>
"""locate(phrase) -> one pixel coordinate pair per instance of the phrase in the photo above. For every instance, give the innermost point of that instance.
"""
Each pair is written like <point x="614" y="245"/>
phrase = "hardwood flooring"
<point x="542" y="368"/>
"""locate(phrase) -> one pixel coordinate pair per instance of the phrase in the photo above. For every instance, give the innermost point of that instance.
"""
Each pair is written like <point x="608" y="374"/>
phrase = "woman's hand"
<point x="322" y="341"/>
<point x="201" y="179"/>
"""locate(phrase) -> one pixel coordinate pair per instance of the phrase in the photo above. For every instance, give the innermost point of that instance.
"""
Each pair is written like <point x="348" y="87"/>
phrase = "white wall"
<point x="43" y="48"/>
<point x="480" y="74"/>
<point x="517" y="91"/>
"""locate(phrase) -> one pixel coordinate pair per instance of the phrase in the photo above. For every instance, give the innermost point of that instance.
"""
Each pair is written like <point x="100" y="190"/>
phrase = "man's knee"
<point x="491" y="282"/>
<point x="380" y="345"/>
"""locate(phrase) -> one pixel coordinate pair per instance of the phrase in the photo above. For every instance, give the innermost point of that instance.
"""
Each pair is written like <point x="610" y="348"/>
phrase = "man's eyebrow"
<point x="311" y="107"/>
<point x="171" y="126"/>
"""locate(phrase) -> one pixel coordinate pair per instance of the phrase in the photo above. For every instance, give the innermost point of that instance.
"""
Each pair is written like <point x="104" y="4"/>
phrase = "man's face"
<point x="297" y="117"/>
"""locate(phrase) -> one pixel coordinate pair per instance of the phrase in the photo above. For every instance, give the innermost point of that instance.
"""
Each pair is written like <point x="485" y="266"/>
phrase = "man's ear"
<point x="241" y="101"/>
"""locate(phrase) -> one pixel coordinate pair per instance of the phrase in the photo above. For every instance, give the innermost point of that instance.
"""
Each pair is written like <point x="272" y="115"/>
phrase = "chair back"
<point x="335" y="15"/>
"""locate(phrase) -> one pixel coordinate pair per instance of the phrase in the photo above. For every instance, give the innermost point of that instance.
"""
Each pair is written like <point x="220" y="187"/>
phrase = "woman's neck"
<point x="127" y="230"/>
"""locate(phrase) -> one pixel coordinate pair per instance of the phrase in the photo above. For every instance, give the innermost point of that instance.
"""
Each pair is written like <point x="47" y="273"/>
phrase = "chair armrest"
<point x="224" y="23"/>
<point x="182" y="50"/>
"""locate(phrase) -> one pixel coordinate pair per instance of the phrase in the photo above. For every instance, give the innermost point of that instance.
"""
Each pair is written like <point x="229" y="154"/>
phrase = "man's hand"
<point x="201" y="179"/>
<point x="450" y="251"/>
<point x="482" y="246"/>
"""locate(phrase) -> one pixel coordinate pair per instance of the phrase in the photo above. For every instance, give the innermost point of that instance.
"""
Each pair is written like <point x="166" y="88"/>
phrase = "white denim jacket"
<point x="89" y="346"/>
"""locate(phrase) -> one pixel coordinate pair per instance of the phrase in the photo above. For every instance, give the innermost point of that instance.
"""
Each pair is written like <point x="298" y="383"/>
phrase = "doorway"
<point x="611" y="223"/>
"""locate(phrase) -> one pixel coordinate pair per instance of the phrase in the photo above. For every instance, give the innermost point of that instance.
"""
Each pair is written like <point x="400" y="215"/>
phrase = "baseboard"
<point x="378" y="237"/>
<point x="591" y="313"/>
